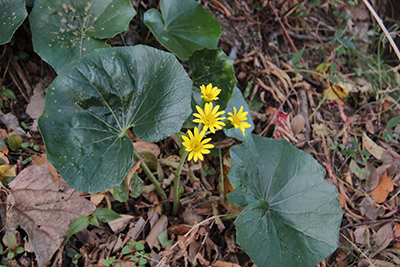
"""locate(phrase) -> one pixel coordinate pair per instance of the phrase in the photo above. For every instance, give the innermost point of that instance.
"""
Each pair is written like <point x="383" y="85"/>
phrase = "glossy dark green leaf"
<point x="183" y="26"/>
<point x="106" y="215"/>
<point x="90" y="106"/>
<point x="64" y="30"/>
<point x="238" y="101"/>
<point x="12" y="14"/>
<point x="213" y="66"/>
<point x="290" y="211"/>
<point x="78" y="225"/>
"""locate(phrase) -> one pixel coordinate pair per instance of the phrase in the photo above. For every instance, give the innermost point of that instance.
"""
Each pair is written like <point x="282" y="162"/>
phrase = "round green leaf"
<point x="213" y="66"/>
<point x="183" y="26"/>
<point x="238" y="101"/>
<point x="12" y="14"/>
<point x="291" y="215"/>
<point x="64" y="30"/>
<point x="90" y="106"/>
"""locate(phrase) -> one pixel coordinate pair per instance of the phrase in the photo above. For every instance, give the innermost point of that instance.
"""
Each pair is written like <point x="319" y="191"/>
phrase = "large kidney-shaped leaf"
<point x="90" y="106"/>
<point x="183" y="26"/>
<point x="291" y="215"/>
<point x="64" y="30"/>
<point x="12" y="14"/>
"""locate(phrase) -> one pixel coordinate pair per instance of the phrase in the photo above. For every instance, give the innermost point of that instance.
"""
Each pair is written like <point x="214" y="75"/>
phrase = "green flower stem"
<point x="177" y="174"/>
<point x="153" y="180"/>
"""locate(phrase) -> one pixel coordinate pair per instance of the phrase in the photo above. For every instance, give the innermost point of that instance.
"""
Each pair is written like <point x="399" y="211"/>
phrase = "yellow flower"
<point x="209" y="117"/>
<point x="239" y="119"/>
<point x="209" y="93"/>
<point x="195" y="145"/>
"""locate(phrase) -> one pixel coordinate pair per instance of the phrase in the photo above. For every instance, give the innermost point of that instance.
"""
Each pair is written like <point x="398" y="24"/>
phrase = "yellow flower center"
<point x="196" y="147"/>
<point x="235" y="120"/>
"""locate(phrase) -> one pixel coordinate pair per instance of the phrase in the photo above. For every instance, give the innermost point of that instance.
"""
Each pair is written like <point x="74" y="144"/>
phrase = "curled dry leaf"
<point x="44" y="208"/>
<point x="380" y="193"/>
<point x="372" y="147"/>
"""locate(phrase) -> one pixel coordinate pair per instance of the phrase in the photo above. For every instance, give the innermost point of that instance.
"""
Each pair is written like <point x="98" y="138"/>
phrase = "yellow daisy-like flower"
<point x="210" y="117"/>
<point x="239" y="119"/>
<point x="209" y="93"/>
<point x="195" y="145"/>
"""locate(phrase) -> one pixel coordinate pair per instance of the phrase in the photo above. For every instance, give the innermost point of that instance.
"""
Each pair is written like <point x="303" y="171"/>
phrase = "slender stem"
<point x="378" y="19"/>
<point x="177" y="197"/>
<point x="153" y="180"/>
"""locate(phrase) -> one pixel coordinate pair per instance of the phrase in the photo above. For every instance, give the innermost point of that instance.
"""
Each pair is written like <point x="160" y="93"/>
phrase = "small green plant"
<point x="136" y="252"/>
<point x="6" y="93"/>
<point x="109" y="261"/>
<point x="30" y="145"/>
<point x="83" y="221"/>
<point x="207" y="170"/>
<point x="10" y="241"/>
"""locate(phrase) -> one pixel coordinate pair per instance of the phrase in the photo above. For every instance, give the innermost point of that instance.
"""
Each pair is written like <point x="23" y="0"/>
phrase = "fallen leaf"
<point x="97" y="198"/>
<point x="396" y="230"/>
<point x="12" y="124"/>
<point x="5" y="173"/>
<point x="338" y="91"/>
<point x="384" y="233"/>
<point x="380" y="193"/>
<point x="342" y="200"/>
<point x="372" y="180"/>
<point x="146" y="146"/>
<point x="160" y="226"/>
<point x="44" y="208"/>
<point x="36" y="104"/>
<point x="372" y="147"/>
<point x="360" y="233"/>
<point x="370" y="210"/>
<point x="376" y="263"/>
<point x="220" y="263"/>
<point x="119" y="224"/>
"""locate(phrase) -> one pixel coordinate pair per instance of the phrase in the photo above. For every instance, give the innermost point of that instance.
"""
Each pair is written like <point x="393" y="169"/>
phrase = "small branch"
<point x="378" y="19"/>
<point x="153" y="180"/>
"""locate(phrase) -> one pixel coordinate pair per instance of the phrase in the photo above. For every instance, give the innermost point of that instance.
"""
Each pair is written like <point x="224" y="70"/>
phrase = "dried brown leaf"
<point x="141" y="146"/>
<point x="119" y="224"/>
<point x="369" y="208"/>
<point x="160" y="226"/>
<point x="36" y="104"/>
<point x="45" y="207"/>
<point x="220" y="263"/>
<point x="380" y="193"/>
<point x="372" y="180"/>
<point x="372" y="147"/>
<point x="384" y="234"/>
